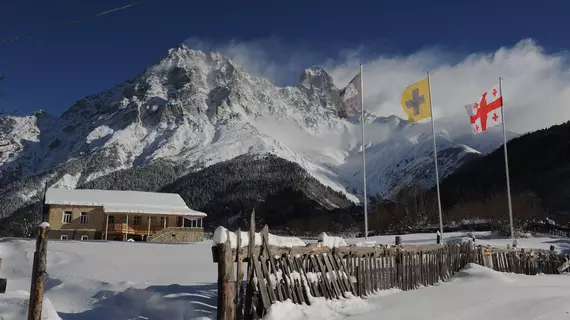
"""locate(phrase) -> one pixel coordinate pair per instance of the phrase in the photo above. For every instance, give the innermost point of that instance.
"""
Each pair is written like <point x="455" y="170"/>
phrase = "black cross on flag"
<point x="416" y="101"/>
<point x="351" y="100"/>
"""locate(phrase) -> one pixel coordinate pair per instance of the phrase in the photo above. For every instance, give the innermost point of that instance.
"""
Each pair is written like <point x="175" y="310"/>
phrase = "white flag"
<point x="486" y="112"/>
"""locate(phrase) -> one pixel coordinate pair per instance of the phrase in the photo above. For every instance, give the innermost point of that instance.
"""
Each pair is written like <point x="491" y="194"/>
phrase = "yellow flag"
<point x="416" y="101"/>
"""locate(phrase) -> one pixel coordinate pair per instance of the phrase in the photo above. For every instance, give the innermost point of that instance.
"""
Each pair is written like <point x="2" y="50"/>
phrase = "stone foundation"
<point x="173" y="235"/>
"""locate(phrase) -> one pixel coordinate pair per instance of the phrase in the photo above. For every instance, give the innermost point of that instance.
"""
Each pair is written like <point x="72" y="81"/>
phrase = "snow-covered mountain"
<point x="197" y="109"/>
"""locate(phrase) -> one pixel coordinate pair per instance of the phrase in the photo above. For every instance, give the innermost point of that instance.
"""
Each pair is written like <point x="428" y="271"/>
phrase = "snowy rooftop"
<point x="123" y="201"/>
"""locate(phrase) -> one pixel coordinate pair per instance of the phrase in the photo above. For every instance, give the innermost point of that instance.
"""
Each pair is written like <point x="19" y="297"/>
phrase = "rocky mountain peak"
<point x="317" y="77"/>
<point x="393" y="121"/>
<point x="41" y="113"/>
<point x="183" y="57"/>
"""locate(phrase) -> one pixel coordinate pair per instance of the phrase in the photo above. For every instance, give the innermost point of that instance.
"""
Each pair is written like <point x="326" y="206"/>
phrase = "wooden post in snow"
<point x="38" y="274"/>
<point x="226" y="305"/>
<point x="3" y="282"/>
<point x="249" y="308"/>
<point x="239" y="282"/>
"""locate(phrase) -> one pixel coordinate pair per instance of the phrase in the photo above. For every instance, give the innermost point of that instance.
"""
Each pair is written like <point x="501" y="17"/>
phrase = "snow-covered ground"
<point x="132" y="280"/>
<point x="482" y="238"/>
<point x="474" y="293"/>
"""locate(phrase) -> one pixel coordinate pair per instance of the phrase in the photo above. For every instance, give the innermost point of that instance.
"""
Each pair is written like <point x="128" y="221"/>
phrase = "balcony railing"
<point x="133" y="228"/>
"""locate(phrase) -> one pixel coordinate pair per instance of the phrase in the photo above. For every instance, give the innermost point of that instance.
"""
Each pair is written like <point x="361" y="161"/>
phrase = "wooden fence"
<point x="299" y="273"/>
<point x="525" y="262"/>
<point x="557" y="230"/>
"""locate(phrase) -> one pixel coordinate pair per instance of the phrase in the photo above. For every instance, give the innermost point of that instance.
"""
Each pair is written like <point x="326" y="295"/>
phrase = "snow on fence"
<point x="282" y="268"/>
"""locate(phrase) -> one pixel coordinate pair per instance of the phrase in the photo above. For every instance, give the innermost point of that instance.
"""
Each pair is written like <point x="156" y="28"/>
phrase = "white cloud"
<point x="535" y="86"/>
<point x="536" y="83"/>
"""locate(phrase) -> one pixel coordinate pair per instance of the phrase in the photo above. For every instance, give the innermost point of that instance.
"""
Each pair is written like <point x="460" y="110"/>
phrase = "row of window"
<point x="137" y="220"/>
<point x="64" y="237"/>
<point x="83" y="218"/>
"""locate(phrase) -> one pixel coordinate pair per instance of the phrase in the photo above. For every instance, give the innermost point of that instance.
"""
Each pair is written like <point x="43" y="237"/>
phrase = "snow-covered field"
<point x="132" y="280"/>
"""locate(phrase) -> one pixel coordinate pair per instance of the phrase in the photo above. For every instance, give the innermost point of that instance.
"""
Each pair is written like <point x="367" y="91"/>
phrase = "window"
<point x="63" y="237"/>
<point x="84" y="218"/>
<point x="66" y="218"/>
<point x="137" y="220"/>
<point x="196" y="223"/>
<point x="84" y="237"/>
<point x="111" y="219"/>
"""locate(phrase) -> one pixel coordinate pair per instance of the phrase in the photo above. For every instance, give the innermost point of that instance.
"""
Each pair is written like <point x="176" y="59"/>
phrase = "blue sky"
<point x="55" y="68"/>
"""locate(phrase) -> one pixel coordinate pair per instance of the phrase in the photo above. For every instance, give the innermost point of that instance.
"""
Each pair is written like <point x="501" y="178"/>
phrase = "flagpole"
<point x="435" y="158"/>
<point x="506" y="158"/>
<point x="365" y="197"/>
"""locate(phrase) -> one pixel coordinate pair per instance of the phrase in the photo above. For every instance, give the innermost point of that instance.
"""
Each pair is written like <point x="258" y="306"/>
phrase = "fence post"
<point x="38" y="273"/>
<point x="226" y="306"/>
<point x="248" y="312"/>
<point x="239" y="282"/>
<point x="488" y="258"/>
<point x="3" y="282"/>
<point x="399" y="267"/>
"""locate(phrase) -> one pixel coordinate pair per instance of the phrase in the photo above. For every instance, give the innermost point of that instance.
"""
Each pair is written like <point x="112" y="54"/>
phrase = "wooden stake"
<point x="226" y="306"/>
<point x="3" y="282"/>
<point x="239" y="282"/>
<point x="250" y="269"/>
<point x="265" y="242"/>
<point x="38" y="274"/>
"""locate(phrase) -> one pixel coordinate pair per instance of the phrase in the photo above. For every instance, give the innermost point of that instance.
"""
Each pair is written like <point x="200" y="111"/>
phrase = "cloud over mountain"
<point x="536" y="83"/>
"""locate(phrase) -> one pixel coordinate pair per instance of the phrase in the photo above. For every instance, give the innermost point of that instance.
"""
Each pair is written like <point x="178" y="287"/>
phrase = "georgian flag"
<point x="486" y="112"/>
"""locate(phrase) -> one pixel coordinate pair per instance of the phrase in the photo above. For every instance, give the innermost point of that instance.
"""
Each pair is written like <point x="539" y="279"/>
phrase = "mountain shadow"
<point x="539" y="167"/>
<point x="282" y="192"/>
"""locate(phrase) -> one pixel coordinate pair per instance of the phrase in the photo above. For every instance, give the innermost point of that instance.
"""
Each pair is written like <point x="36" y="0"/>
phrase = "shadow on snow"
<point x="172" y="302"/>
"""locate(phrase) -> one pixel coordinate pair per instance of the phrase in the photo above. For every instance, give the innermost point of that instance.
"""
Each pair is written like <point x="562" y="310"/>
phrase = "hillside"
<point x="539" y="164"/>
<point x="283" y="194"/>
<point x="280" y="190"/>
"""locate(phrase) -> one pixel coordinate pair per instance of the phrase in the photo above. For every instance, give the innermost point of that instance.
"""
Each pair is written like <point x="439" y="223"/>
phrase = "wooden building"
<point x="87" y="214"/>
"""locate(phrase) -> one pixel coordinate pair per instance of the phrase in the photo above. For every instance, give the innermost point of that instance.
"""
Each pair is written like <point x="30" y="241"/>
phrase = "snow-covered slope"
<point x="179" y="282"/>
<point x="197" y="109"/>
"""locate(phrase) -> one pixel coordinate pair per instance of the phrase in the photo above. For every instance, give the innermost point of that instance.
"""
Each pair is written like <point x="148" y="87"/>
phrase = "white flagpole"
<point x="365" y="197"/>
<point x="435" y="158"/>
<point x="506" y="158"/>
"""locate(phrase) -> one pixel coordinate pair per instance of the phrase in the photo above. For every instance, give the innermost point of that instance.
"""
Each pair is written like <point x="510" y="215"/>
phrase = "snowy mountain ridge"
<point x="197" y="109"/>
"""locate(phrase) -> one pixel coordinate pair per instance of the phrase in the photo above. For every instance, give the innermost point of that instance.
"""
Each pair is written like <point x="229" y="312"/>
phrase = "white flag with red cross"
<point x="486" y="112"/>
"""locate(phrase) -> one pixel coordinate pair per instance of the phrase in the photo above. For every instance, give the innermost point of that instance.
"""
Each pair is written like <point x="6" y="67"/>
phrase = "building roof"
<point x="122" y="201"/>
